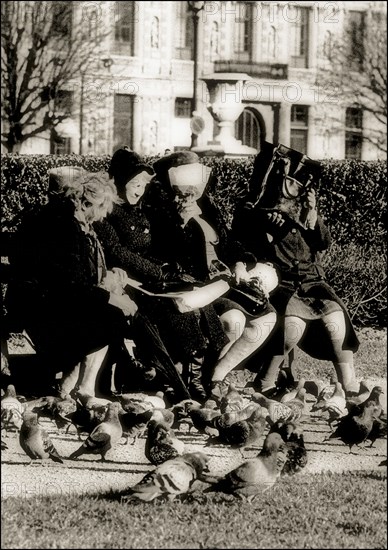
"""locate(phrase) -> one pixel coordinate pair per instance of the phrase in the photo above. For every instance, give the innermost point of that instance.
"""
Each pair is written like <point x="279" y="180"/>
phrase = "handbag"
<point x="250" y="295"/>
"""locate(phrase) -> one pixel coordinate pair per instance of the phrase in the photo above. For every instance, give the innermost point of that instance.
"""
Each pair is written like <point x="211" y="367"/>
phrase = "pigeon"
<point x="104" y="436"/>
<point x="355" y="429"/>
<point x="362" y="396"/>
<point x="374" y="398"/>
<point x="89" y="401"/>
<point x="35" y="441"/>
<point x="162" y="443"/>
<point x="164" y="415"/>
<point x="219" y="390"/>
<point x="335" y="405"/>
<point x="231" y="401"/>
<point x="173" y="477"/>
<point x="11" y="409"/>
<point x="379" y="429"/>
<point x="240" y="428"/>
<point x="297" y="405"/>
<point x="85" y="419"/>
<point x="202" y="418"/>
<point x="292" y="393"/>
<point x="255" y="475"/>
<point x="150" y="401"/>
<point x="292" y="435"/>
<point x="276" y="411"/>
<point x="134" y="422"/>
<point x="57" y="409"/>
<point x="323" y="396"/>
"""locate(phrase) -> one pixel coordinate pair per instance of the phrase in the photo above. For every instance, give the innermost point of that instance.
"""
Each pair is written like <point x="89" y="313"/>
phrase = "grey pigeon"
<point x="104" y="436"/>
<point x="161" y="443"/>
<point x="255" y="475"/>
<point x="173" y="477"/>
<point x="35" y="441"/>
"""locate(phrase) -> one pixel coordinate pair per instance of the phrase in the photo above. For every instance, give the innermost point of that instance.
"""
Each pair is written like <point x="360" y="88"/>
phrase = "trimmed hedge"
<point x="352" y="201"/>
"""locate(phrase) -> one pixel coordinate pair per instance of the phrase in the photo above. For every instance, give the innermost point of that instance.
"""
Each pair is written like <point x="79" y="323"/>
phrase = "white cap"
<point x="195" y="175"/>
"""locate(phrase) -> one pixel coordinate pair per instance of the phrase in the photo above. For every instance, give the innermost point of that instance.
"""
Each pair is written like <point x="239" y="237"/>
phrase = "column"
<point x="285" y="123"/>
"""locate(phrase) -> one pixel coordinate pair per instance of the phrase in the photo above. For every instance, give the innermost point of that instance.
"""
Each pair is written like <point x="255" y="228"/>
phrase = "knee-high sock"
<point x="253" y="336"/>
<point x="345" y="371"/>
<point x="90" y="368"/>
<point x="69" y="381"/>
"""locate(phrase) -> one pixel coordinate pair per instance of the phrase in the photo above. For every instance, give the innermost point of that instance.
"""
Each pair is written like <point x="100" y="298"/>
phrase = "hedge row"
<point x="352" y="201"/>
<point x="351" y="195"/>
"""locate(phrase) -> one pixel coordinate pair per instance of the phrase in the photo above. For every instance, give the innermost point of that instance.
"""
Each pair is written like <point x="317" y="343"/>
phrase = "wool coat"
<point x="54" y="293"/>
<point x="127" y="239"/>
<point x="296" y="254"/>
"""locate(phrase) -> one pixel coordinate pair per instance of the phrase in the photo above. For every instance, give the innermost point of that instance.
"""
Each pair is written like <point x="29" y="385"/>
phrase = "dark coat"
<point x="53" y="293"/>
<point x="126" y="236"/>
<point x="295" y="252"/>
<point x="186" y="245"/>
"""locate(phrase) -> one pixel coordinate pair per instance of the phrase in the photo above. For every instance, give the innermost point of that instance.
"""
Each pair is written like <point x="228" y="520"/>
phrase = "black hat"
<point x="272" y="165"/>
<point x="125" y="165"/>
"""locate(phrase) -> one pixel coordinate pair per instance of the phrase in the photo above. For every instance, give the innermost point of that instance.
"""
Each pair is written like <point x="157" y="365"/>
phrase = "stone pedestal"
<point x="226" y="92"/>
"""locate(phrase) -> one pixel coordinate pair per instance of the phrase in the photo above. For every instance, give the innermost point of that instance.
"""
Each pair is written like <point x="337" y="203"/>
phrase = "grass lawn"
<point x="307" y="511"/>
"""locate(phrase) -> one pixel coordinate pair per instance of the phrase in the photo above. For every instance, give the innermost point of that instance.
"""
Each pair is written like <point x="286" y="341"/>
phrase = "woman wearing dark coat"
<point x="127" y="241"/>
<point x="56" y="293"/>
<point x="278" y="223"/>
<point x="188" y="230"/>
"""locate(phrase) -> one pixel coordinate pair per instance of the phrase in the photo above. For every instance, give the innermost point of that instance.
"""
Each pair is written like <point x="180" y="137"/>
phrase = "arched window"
<point x="248" y="129"/>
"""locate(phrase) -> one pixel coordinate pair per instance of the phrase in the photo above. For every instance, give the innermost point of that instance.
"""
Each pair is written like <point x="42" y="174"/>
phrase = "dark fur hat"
<point x="125" y="165"/>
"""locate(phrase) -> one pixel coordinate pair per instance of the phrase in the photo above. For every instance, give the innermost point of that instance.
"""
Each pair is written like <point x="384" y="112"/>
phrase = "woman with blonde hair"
<point x="59" y="268"/>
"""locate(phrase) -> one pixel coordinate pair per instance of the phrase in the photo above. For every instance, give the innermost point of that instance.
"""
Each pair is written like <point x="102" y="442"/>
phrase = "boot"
<point x="195" y="386"/>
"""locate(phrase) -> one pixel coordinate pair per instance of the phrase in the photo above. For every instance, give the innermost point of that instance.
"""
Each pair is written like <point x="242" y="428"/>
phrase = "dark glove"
<point x="174" y="272"/>
<point x="170" y="271"/>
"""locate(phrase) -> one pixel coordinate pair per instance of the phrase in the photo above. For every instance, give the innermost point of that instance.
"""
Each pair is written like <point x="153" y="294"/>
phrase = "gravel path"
<point x="127" y="464"/>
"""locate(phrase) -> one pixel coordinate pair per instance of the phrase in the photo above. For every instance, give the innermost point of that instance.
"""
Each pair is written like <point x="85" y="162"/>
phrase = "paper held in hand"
<point x="188" y="300"/>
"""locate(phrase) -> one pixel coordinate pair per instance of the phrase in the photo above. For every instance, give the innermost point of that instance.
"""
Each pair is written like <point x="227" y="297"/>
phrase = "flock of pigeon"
<point x="235" y="418"/>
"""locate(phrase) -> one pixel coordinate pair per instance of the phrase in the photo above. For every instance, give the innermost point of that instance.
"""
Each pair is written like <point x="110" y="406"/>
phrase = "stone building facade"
<point x="256" y="78"/>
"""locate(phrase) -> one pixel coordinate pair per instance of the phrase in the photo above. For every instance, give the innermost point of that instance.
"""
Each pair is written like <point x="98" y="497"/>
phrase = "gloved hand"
<point x="171" y="271"/>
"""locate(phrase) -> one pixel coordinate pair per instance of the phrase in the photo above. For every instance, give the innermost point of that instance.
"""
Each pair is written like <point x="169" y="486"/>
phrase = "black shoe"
<point x="195" y="385"/>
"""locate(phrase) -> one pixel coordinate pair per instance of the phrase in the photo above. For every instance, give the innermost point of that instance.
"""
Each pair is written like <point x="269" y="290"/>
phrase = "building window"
<point x="356" y="38"/>
<point x="59" y="145"/>
<point x="124" y="28"/>
<point x="242" y="32"/>
<point x="353" y="133"/>
<point x="123" y="121"/>
<point x="299" y="36"/>
<point x="184" y="32"/>
<point x="247" y="129"/>
<point x="62" y="18"/>
<point x="299" y="127"/>
<point x="182" y="107"/>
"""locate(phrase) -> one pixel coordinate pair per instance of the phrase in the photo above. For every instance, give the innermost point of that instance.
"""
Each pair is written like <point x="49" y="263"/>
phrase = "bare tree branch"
<point x="356" y="64"/>
<point x="44" y="48"/>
